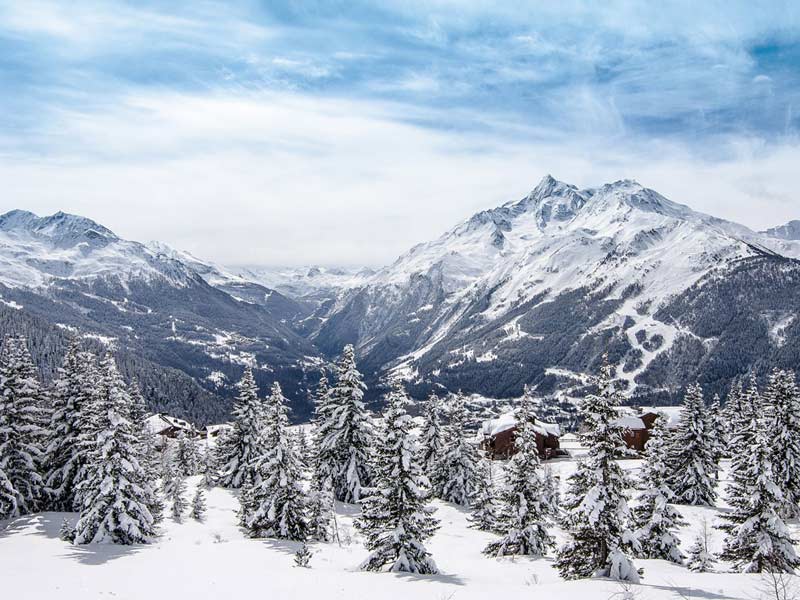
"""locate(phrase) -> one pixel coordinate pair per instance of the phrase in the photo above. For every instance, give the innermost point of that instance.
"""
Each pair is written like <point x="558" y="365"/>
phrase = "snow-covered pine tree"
<point x="185" y="455"/>
<point x="344" y="433"/>
<point x="279" y="504"/>
<point x="209" y="467"/>
<point x="758" y="540"/>
<point x="198" y="512"/>
<point x="782" y="401"/>
<point x="395" y="519"/>
<point x="741" y="441"/>
<point x="246" y="500"/>
<point x="552" y="494"/>
<point x="147" y="439"/>
<point x="458" y="468"/>
<point x="174" y="484"/>
<point x="732" y="414"/>
<point x="138" y="408"/>
<point x="596" y="500"/>
<point x="483" y="502"/>
<point x="320" y="511"/>
<point x="322" y="463"/>
<point x="241" y="446"/>
<point x="716" y="429"/>
<point x="431" y="441"/>
<point x="701" y="560"/>
<point x="692" y="462"/>
<point x="66" y="532"/>
<point x="116" y="497"/>
<point x="302" y="449"/>
<point x="523" y="512"/>
<point x="64" y="453"/>
<point x="654" y="518"/>
<point x="303" y="556"/>
<point x="22" y="437"/>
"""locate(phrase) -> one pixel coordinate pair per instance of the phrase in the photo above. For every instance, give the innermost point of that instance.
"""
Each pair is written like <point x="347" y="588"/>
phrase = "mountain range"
<point x="535" y="292"/>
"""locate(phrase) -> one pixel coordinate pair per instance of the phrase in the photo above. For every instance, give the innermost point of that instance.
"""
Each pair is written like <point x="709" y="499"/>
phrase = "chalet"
<point x="171" y="427"/>
<point x="636" y="427"/>
<point x="635" y="432"/>
<point x="497" y="437"/>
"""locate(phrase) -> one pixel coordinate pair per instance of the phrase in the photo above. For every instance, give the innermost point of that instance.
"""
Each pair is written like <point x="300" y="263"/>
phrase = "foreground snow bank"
<point x="214" y="559"/>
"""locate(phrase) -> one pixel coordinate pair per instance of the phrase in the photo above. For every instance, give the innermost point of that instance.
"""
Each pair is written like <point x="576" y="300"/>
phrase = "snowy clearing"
<point x="214" y="559"/>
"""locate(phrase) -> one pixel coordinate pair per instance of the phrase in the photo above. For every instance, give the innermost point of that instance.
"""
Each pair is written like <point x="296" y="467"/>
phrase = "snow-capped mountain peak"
<point x="62" y="229"/>
<point x="788" y="231"/>
<point x="611" y="257"/>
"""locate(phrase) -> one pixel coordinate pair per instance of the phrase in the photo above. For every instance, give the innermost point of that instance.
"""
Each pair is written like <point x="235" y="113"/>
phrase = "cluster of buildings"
<point x="497" y="435"/>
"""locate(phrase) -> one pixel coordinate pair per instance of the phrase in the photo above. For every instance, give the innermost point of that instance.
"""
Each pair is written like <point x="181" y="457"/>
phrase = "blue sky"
<point x="296" y="132"/>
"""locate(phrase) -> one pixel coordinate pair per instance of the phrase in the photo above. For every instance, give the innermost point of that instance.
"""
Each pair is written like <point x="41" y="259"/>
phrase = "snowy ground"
<point x="214" y="559"/>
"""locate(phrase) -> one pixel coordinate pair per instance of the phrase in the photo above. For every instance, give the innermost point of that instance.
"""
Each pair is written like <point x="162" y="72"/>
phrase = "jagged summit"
<point x="64" y="229"/>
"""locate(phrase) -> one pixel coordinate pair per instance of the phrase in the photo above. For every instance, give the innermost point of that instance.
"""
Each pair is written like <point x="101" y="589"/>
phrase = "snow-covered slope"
<point x="215" y="559"/>
<point x="605" y="259"/>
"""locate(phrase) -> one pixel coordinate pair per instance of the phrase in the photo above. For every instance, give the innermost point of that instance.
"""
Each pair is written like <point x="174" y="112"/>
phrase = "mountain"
<point x="305" y="282"/>
<point x="789" y="231"/>
<point x="536" y="290"/>
<point x="160" y="305"/>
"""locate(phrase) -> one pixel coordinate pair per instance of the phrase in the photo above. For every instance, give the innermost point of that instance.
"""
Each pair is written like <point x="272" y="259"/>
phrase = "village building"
<point x="636" y="425"/>
<point x="497" y="437"/>
<point x="170" y="427"/>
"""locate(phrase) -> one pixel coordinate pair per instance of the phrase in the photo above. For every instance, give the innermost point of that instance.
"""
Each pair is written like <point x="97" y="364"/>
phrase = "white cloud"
<point x="289" y="179"/>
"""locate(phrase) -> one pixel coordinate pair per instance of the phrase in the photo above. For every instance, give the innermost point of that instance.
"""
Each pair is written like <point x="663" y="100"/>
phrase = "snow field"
<point x="214" y="559"/>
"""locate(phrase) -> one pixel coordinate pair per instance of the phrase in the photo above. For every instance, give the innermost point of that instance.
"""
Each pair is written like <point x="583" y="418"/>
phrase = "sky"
<point x="343" y="132"/>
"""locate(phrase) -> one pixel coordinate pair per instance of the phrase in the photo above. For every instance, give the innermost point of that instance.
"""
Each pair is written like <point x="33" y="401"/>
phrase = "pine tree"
<point x="239" y="449"/>
<point x="303" y="556"/>
<point x="701" y="560"/>
<point x="432" y="442"/>
<point x="302" y="448"/>
<point x="782" y="400"/>
<point x="174" y="484"/>
<point x="716" y="429"/>
<point x="758" y="540"/>
<point x="345" y="433"/>
<point x="395" y="519"/>
<point x="552" y="494"/>
<point x="67" y="532"/>
<point x="458" y="468"/>
<point x="655" y="520"/>
<point x="186" y="457"/>
<point x="733" y="411"/>
<point x="524" y="509"/>
<point x="246" y="500"/>
<point x="279" y="505"/>
<point x="485" y="509"/>
<point x="209" y="469"/>
<point x="741" y="441"/>
<point x="147" y="439"/>
<point x="198" y="512"/>
<point x="117" y="499"/>
<point x="597" y="504"/>
<point x="22" y="437"/>
<point x="692" y="460"/>
<point x="320" y="511"/>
